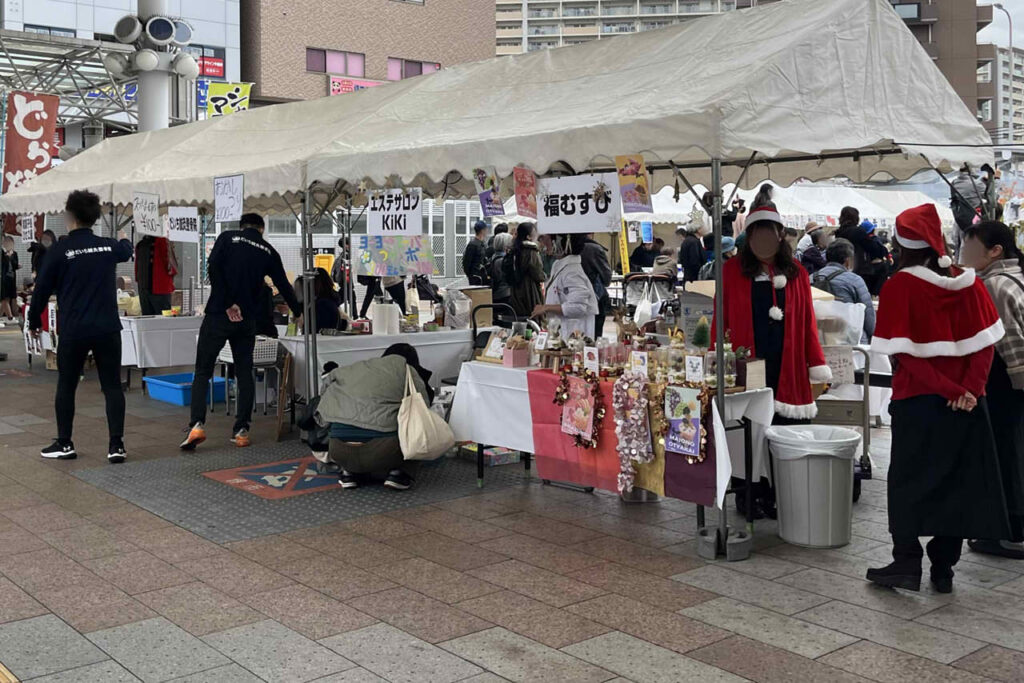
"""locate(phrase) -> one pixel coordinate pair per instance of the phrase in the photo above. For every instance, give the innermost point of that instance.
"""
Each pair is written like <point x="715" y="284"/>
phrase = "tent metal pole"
<point x="716" y="215"/>
<point x="308" y="303"/>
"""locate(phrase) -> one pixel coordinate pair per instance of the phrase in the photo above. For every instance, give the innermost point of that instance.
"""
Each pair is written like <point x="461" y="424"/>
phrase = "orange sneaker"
<point x="196" y="435"/>
<point x="241" y="438"/>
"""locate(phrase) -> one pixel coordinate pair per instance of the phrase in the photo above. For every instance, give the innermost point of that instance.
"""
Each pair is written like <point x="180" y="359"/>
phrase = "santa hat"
<point x="921" y="228"/>
<point x="763" y="212"/>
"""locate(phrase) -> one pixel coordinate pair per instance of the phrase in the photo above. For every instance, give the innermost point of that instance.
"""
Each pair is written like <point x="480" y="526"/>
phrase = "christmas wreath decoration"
<point x="629" y="399"/>
<point x="562" y="395"/>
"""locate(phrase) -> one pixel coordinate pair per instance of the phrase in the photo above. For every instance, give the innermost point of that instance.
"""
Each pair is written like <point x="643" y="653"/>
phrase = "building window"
<point x="50" y="31"/>
<point x="336" y="62"/>
<point x="908" y="10"/>
<point x="282" y="225"/>
<point x="210" y="59"/>
<point x="399" y="69"/>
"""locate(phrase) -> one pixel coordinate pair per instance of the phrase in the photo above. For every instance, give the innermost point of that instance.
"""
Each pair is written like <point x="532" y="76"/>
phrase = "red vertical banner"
<point x="29" y="138"/>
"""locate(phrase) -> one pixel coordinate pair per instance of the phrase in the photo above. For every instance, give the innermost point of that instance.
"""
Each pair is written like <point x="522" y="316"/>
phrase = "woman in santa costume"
<point x="939" y="325"/>
<point x="768" y="310"/>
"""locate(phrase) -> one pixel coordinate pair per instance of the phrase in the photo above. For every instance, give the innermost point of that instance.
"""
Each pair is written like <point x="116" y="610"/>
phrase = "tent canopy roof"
<point x="802" y="80"/>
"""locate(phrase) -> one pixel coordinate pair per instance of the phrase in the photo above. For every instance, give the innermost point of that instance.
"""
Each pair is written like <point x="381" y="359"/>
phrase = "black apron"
<point x="944" y="477"/>
<point x="1006" y="408"/>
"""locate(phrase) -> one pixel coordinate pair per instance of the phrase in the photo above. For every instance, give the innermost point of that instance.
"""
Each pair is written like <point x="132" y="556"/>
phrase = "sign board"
<point x="183" y="224"/>
<point x="526" y="192"/>
<point x="646" y="232"/>
<point x="146" y="214"/>
<point x="488" y="189"/>
<point x="694" y="368"/>
<point x="392" y="256"/>
<point x="340" y="85"/>
<point x="840" y="360"/>
<point x="29" y="131"/>
<point x="636" y="196"/>
<point x="395" y="212"/>
<point x="228" y="191"/>
<point x="579" y="203"/>
<point x="227" y="98"/>
<point x="27" y="227"/>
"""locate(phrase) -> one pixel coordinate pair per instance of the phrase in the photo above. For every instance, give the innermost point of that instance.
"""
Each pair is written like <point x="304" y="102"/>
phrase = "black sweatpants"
<point x="71" y="356"/>
<point x="943" y="551"/>
<point x="397" y="292"/>
<point x="153" y="304"/>
<point x="215" y="331"/>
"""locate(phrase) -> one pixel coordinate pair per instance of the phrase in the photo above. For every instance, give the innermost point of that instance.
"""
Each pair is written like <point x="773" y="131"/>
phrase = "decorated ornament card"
<point x="683" y="410"/>
<point x="578" y="410"/>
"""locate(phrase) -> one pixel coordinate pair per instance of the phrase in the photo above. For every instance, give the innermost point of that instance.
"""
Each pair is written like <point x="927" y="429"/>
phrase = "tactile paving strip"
<point x="175" y="489"/>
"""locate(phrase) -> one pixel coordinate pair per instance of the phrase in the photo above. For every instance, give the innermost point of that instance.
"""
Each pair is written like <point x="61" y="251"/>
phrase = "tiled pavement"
<point x="520" y="583"/>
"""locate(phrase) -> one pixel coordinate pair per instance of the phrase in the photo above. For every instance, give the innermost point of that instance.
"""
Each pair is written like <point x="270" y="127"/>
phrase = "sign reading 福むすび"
<point x="579" y="203"/>
<point x="395" y="212"/>
<point x="183" y="224"/>
<point x="146" y="214"/>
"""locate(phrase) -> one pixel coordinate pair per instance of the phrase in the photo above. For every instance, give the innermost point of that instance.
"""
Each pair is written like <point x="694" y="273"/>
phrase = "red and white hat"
<point x="920" y="228"/>
<point x="763" y="212"/>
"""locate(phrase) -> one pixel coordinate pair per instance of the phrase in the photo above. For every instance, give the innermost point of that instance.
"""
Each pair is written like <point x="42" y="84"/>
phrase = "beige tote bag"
<point x="422" y="433"/>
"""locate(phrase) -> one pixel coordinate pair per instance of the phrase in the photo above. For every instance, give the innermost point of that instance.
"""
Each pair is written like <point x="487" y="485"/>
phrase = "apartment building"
<point x="1008" y="86"/>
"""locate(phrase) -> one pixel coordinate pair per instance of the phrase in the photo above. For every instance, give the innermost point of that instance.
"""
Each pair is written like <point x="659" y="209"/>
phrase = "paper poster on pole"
<point x="526" y="192"/>
<point x="395" y="212"/>
<point x="228" y="192"/>
<point x="633" y="231"/>
<point x="27" y="227"/>
<point x="636" y="196"/>
<point x="488" y="189"/>
<point x="646" y="232"/>
<point x="579" y="203"/>
<point x="183" y="224"/>
<point x="146" y="214"/>
<point x="392" y="256"/>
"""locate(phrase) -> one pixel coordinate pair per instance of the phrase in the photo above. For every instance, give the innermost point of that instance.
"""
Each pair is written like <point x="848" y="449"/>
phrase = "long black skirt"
<point x="944" y="477"/>
<point x="1006" y="409"/>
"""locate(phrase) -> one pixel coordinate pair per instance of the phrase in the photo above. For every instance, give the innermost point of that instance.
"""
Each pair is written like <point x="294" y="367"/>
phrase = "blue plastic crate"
<point x="177" y="389"/>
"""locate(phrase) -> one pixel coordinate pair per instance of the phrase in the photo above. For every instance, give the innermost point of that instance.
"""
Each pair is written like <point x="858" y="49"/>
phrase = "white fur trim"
<point x="981" y="340"/>
<point x="779" y="282"/>
<point x="961" y="281"/>
<point x="793" y="412"/>
<point x="909" y="243"/>
<point x="775" y="313"/>
<point x="945" y="261"/>
<point x="819" y="374"/>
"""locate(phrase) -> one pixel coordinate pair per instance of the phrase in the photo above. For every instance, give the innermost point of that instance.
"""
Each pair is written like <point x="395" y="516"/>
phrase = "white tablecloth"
<point x="440" y="352"/>
<point x="159" y="342"/>
<point x="759" y="407"/>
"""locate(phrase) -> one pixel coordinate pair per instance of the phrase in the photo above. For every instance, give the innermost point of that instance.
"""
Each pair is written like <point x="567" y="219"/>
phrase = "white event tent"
<point x="784" y="91"/>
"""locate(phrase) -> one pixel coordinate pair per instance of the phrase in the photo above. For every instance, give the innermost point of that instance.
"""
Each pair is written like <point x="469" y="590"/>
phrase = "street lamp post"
<point x="1009" y="19"/>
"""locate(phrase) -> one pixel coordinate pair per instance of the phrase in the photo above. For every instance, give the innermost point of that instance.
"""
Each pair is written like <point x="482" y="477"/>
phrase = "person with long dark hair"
<point x="327" y="301"/>
<point x="940" y="326"/>
<point x="990" y="249"/>
<point x="37" y="250"/>
<point x="524" y="271"/>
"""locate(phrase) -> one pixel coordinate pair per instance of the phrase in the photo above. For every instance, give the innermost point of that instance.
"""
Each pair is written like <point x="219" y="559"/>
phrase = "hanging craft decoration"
<point x="680" y="415"/>
<point x="582" y="407"/>
<point x="629" y="399"/>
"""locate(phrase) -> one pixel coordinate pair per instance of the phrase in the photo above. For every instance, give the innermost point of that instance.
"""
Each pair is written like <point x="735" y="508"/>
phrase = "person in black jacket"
<point x="37" y="250"/>
<point x="645" y="255"/>
<point x="594" y="259"/>
<point x="238" y="264"/>
<point x="474" y="259"/>
<point x="869" y="254"/>
<point x="691" y="254"/>
<point x="82" y="271"/>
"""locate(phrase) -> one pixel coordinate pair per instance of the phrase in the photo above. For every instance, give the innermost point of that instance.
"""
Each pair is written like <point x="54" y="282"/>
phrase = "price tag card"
<point x="638" y="362"/>
<point x="694" y="368"/>
<point x="542" y="341"/>
<point x="590" y="360"/>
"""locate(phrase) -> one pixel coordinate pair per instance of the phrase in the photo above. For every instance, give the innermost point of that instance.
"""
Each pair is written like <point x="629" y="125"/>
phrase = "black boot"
<point x="942" y="579"/>
<point x="897" y="575"/>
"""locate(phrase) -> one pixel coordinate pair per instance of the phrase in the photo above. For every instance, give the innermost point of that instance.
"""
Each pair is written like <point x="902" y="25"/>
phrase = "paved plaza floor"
<point x="152" y="571"/>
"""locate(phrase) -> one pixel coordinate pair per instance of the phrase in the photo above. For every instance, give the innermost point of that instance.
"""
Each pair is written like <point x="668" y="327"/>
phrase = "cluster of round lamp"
<point x="152" y="37"/>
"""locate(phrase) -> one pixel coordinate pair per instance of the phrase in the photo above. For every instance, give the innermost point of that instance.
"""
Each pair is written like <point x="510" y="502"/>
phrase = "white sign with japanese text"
<point x="228" y="192"/>
<point x="183" y="224"/>
<point x="27" y="225"/>
<point x="840" y="360"/>
<point x="579" y="203"/>
<point x="146" y="214"/>
<point x="395" y="212"/>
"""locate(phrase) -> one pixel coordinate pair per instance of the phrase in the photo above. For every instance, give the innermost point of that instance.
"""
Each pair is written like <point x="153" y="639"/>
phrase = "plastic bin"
<point x="813" y="470"/>
<point x="177" y="389"/>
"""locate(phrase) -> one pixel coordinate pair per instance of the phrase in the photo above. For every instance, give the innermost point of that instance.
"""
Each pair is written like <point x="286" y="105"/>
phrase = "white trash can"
<point x="814" y="483"/>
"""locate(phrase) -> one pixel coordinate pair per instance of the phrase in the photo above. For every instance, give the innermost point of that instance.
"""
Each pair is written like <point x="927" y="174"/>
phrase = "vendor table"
<point x="493" y="406"/>
<point x="440" y="352"/>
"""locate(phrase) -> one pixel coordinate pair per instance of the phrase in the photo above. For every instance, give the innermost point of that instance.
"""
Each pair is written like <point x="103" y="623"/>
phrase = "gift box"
<point x="516" y="358"/>
<point x="493" y="455"/>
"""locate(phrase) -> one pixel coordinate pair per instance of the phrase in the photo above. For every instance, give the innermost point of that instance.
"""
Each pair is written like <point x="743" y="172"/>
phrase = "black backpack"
<point x="508" y="268"/>
<point x="825" y="283"/>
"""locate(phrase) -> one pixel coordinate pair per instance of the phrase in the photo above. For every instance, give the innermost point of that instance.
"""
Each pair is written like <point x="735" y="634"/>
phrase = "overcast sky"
<point x="998" y="31"/>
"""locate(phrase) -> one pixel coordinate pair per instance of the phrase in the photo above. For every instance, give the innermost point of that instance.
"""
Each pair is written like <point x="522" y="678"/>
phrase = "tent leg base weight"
<point x="567" y="485"/>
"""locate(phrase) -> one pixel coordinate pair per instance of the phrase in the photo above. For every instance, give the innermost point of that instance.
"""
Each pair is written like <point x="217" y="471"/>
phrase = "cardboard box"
<point x="493" y="455"/>
<point x="479" y="296"/>
<point x="516" y="358"/>
<point x="51" y="360"/>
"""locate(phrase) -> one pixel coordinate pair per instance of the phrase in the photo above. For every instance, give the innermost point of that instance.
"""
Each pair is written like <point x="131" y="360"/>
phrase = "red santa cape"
<point x="924" y="314"/>
<point x="803" y="361"/>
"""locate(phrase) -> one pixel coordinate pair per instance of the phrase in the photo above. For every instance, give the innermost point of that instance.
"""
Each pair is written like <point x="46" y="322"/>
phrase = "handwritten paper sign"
<point x="526" y="192"/>
<point x="27" y="225"/>
<point x="146" y="214"/>
<point x="228" y="191"/>
<point x="579" y="203"/>
<point x="183" y="224"/>
<point x="395" y="212"/>
<point x="488" y="189"/>
<point x="393" y="256"/>
<point x="840" y="360"/>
